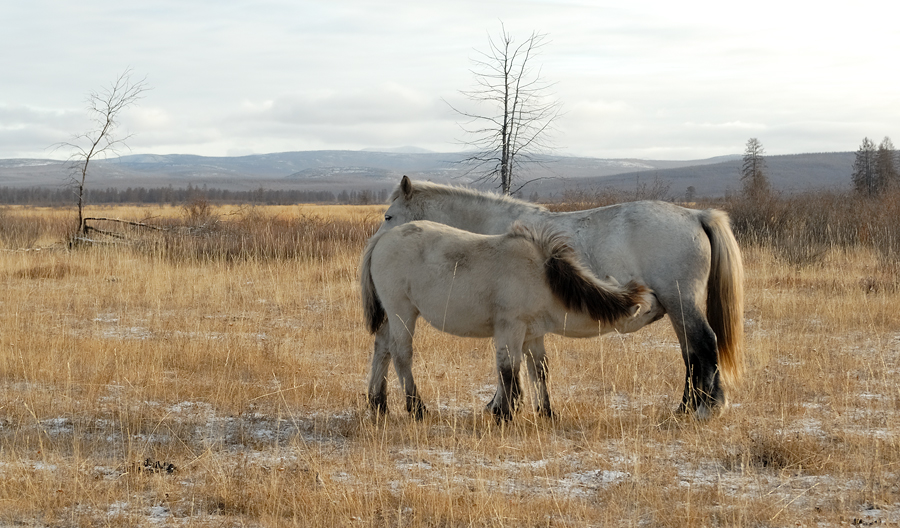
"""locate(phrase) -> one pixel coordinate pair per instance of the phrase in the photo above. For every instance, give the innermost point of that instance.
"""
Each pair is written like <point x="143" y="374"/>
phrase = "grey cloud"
<point x="639" y="79"/>
<point x="382" y="105"/>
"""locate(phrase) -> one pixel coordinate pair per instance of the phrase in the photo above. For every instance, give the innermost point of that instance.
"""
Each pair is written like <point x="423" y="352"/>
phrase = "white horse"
<point x="689" y="258"/>
<point x="514" y="287"/>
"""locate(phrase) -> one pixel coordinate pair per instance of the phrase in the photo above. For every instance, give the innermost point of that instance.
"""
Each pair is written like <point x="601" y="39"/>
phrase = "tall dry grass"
<point x="232" y="347"/>
<point x="803" y="227"/>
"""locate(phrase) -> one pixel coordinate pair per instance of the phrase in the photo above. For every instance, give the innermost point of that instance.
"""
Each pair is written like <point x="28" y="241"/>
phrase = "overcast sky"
<point x="644" y="79"/>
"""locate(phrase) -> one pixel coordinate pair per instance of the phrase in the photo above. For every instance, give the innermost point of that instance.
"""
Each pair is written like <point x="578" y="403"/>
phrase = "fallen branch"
<point x="129" y="222"/>
<point x="88" y="229"/>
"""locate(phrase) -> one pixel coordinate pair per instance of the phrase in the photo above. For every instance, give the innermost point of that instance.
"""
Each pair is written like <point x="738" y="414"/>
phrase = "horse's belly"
<point x="578" y="326"/>
<point x="462" y="325"/>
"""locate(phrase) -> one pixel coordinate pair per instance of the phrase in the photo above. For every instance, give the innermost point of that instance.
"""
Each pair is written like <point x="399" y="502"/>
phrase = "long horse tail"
<point x="576" y="287"/>
<point x="725" y="295"/>
<point x="372" y="308"/>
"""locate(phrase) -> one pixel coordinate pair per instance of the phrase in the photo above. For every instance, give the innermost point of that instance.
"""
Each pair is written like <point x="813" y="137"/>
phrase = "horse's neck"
<point x="484" y="216"/>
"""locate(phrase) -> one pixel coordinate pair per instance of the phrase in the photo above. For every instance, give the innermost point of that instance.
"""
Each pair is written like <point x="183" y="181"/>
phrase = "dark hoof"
<point x="501" y="416"/>
<point x="702" y="412"/>
<point x="416" y="408"/>
<point x="378" y="405"/>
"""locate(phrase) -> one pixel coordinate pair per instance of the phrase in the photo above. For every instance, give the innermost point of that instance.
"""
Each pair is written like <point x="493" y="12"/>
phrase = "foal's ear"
<point x="406" y="187"/>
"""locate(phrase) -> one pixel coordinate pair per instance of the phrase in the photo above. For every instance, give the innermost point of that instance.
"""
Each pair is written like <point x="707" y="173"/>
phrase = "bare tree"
<point x="864" y="176"/>
<point x="753" y="170"/>
<point x="104" y="107"/>
<point x="516" y="110"/>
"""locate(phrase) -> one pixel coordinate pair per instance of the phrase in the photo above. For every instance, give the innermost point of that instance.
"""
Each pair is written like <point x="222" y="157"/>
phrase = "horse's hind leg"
<point x="381" y="360"/>
<point x="536" y="360"/>
<point x="402" y="356"/>
<point x="703" y="392"/>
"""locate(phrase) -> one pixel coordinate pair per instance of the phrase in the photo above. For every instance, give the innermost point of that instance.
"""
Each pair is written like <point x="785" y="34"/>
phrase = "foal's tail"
<point x="372" y="308"/>
<point x="725" y="295"/>
<point x="576" y="287"/>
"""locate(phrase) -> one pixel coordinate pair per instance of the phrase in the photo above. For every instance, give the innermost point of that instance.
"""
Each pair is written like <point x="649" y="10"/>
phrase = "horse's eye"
<point x="387" y="218"/>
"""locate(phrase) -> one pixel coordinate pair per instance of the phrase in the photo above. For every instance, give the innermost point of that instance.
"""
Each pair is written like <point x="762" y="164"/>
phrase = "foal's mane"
<point x="429" y="190"/>
<point x="573" y="283"/>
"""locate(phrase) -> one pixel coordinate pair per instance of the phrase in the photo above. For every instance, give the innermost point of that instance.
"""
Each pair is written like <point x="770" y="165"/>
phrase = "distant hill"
<point x="788" y="173"/>
<point x="400" y="150"/>
<point x="337" y="170"/>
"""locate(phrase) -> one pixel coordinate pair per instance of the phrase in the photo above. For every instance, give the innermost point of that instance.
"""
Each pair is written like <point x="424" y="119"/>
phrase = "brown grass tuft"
<point x="53" y="270"/>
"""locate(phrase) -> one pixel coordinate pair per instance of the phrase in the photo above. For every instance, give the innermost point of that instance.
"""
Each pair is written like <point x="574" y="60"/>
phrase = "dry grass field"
<point x="216" y="377"/>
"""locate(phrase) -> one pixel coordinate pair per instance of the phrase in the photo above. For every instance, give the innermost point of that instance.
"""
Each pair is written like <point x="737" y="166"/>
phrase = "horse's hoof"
<point x="378" y="405"/>
<point x="544" y="411"/>
<point x="501" y="415"/>
<point x="418" y="411"/>
<point x="702" y="412"/>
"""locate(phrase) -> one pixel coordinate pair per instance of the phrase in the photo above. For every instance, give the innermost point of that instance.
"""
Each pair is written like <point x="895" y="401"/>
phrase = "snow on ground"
<point x="578" y="474"/>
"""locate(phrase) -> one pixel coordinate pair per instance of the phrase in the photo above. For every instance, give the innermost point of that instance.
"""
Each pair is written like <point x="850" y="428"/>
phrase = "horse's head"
<point x="411" y="202"/>
<point x="402" y="208"/>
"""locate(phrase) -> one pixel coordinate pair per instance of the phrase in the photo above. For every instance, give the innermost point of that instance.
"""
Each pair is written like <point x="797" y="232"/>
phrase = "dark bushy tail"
<point x="372" y="308"/>
<point x="725" y="295"/>
<point x="577" y="288"/>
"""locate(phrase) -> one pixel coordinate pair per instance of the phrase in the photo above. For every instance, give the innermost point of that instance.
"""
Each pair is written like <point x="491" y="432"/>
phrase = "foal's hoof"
<point x="378" y="405"/>
<point x="501" y="415"/>
<point x="416" y="409"/>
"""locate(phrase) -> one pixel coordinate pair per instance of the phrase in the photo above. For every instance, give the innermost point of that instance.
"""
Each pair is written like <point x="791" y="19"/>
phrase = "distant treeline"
<point x="44" y="196"/>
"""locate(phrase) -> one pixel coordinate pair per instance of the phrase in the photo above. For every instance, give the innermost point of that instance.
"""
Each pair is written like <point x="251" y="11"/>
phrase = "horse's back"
<point x="656" y="243"/>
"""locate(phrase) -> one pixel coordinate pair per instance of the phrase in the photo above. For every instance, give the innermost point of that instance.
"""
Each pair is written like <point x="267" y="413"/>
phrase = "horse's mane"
<point x="429" y="190"/>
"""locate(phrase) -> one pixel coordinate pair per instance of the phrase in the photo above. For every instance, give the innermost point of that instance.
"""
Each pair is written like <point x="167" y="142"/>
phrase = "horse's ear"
<point x="406" y="187"/>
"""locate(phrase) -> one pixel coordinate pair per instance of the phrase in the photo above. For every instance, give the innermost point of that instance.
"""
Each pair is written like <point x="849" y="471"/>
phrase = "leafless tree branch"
<point x="104" y="107"/>
<point x="520" y="113"/>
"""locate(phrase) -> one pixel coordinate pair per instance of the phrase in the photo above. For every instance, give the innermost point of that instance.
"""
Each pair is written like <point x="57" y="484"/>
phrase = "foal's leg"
<point x="536" y="360"/>
<point x="509" y="362"/>
<point x="402" y="330"/>
<point x="381" y="359"/>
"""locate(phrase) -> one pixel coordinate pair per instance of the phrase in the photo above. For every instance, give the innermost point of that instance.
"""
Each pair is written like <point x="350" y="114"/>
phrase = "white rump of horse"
<point x="514" y="287"/>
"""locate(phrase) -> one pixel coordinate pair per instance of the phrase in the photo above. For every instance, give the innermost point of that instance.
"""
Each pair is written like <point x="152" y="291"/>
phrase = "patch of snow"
<point x="134" y="332"/>
<point x="117" y="508"/>
<point x="29" y="163"/>
<point x="57" y="426"/>
<point x="592" y="480"/>
<point x="106" y="473"/>
<point x="106" y="318"/>
<point x="263" y="434"/>
<point x="806" y="426"/>
<point x="159" y="514"/>
<point x="43" y="466"/>
<point x="446" y="457"/>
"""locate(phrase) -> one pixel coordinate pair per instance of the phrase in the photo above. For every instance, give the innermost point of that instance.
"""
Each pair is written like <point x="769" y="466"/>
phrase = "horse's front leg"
<point x="402" y="356"/>
<point x="536" y="360"/>
<point x="381" y="359"/>
<point x="509" y="362"/>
